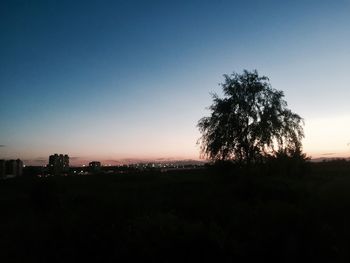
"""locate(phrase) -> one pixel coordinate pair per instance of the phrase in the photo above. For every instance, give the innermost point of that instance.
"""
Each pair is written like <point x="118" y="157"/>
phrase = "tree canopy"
<point x="250" y="122"/>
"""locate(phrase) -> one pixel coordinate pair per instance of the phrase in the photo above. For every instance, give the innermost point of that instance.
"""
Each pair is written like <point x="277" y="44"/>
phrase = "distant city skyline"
<point x="117" y="80"/>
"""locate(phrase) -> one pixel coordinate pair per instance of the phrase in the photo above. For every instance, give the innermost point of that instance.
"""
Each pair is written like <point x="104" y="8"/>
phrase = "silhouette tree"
<point x="250" y="122"/>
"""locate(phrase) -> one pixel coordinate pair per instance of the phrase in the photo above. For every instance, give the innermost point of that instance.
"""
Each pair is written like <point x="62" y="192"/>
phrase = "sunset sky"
<point x="115" y="80"/>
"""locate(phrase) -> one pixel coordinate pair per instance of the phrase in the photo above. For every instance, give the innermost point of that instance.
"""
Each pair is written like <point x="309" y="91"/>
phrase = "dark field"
<point x="187" y="216"/>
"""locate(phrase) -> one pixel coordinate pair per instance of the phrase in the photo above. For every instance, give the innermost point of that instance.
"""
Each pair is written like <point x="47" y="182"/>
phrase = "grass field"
<point x="185" y="216"/>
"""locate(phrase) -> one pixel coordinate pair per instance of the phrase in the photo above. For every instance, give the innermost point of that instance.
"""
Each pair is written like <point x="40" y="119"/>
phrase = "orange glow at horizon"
<point x="327" y="137"/>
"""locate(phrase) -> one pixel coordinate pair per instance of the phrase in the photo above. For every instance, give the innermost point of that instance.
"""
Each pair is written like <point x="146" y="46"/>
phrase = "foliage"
<point x="250" y="122"/>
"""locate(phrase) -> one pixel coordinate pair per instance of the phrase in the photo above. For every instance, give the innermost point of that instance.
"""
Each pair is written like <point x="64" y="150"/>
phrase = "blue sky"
<point x="110" y="80"/>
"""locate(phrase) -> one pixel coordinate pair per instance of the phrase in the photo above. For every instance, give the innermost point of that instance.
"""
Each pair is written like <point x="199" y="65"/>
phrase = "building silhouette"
<point x="2" y="168"/>
<point x="11" y="168"/>
<point x="95" y="166"/>
<point x="58" y="164"/>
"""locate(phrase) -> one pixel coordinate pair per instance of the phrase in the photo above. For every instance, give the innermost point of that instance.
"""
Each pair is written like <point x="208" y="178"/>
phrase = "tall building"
<point x="19" y="167"/>
<point x="2" y="168"/>
<point x="11" y="168"/>
<point x="94" y="166"/>
<point x="58" y="164"/>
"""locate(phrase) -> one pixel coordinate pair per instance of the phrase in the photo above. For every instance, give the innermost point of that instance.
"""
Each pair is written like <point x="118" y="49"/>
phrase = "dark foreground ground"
<point x="186" y="216"/>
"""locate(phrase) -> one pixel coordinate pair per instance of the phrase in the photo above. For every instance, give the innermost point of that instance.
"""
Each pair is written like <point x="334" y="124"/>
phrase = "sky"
<point x="127" y="80"/>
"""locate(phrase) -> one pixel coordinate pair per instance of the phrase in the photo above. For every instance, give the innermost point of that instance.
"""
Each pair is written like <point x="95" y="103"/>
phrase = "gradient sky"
<point x="111" y="80"/>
